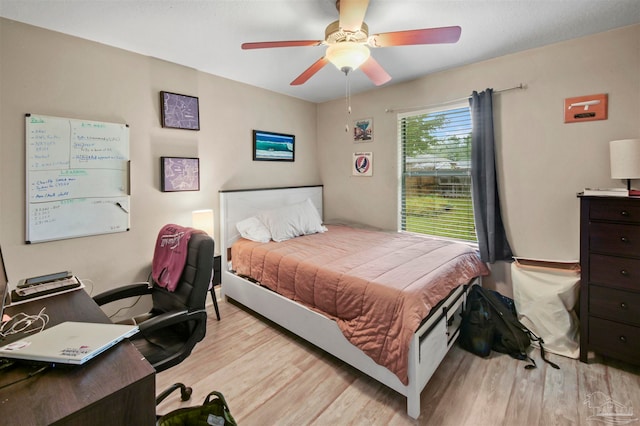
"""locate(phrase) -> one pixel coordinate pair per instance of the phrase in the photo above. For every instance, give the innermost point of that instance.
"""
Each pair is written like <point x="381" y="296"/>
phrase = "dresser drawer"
<point x="621" y="272"/>
<point x="614" y="238"/>
<point x="614" y="304"/>
<point x="624" y="210"/>
<point x="614" y="339"/>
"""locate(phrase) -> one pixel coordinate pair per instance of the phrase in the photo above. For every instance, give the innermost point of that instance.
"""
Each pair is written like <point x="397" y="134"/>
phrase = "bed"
<point x="405" y="339"/>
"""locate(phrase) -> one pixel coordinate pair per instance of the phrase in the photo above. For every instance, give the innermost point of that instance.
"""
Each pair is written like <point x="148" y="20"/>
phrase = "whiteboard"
<point x="77" y="178"/>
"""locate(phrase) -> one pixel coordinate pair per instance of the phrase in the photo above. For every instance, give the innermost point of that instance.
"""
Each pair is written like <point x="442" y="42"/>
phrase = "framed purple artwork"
<point x="179" y="174"/>
<point x="179" y="111"/>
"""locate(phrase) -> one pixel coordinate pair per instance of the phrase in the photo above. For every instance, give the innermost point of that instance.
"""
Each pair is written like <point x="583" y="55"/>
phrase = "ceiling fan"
<point x="348" y="42"/>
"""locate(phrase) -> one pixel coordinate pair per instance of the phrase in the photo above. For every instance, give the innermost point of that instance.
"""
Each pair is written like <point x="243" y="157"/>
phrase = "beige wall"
<point x="48" y="73"/>
<point x="542" y="162"/>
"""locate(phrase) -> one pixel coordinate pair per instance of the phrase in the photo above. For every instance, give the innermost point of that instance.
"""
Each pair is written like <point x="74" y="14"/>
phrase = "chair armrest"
<point x="171" y="318"/>
<point x="167" y="319"/>
<point x="131" y="290"/>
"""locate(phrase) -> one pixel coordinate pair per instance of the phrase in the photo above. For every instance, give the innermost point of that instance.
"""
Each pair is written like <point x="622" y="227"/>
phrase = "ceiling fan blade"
<point x="309" y="72"/>
<point x="352" y="13"/>
<point x="291" y="43"/>
<point x="375" y="72"/>
<point x="424" y="36"/>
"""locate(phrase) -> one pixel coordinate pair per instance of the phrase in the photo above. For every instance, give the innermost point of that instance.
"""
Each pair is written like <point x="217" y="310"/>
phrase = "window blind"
<point x="436" y="173"/>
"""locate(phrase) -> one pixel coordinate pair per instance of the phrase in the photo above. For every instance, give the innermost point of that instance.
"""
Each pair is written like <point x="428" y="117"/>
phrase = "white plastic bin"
<point x="545" y="294"/>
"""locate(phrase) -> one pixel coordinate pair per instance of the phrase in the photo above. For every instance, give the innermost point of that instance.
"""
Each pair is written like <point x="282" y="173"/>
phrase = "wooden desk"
<point x="116" y="388"/>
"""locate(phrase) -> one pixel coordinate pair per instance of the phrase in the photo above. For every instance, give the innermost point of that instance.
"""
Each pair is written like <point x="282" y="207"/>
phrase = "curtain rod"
<point x="415" y="108"/>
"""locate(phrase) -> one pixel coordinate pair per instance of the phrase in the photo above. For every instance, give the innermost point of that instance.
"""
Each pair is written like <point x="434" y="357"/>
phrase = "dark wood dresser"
<point x="610" y="284"/>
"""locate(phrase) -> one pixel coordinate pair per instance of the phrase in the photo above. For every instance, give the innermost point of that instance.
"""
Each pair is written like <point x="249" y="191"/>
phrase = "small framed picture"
<point x="269" y="146"/>
<point x="363" y="130"/>
<point x="362" y="164"/>
<point x="179" y="111"/>
<point x="179" y="174"/>
<point x="585" y="108"/>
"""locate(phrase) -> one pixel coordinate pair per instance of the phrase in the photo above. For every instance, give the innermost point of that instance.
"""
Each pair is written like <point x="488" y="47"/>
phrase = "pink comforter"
<point x="378" y="286"/>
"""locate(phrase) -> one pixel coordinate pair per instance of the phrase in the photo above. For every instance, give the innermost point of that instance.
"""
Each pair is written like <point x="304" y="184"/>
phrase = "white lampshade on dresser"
<point x="625" y="159"/>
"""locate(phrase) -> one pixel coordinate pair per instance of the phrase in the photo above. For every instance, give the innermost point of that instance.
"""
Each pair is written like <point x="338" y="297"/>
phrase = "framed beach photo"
<point x="179" y="111"/>
<point x="269" y="146"/>
<point x="179" y="174"/>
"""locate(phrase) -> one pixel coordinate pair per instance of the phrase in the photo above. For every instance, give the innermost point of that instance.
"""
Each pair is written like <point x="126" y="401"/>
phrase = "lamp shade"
<point x="203" y="220"/>
<point x="625" y="159"/>
<point x="347" y="54"/>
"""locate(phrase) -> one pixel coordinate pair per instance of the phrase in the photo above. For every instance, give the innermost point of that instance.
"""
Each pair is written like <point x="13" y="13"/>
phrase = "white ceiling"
<point x="207" y="34"/>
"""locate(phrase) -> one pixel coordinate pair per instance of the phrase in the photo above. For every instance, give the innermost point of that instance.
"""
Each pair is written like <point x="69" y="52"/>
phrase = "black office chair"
<point x="177" y="320"/>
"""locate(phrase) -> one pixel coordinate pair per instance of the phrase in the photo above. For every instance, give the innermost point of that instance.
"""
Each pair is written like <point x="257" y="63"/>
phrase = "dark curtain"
<point x="492" y="239"/>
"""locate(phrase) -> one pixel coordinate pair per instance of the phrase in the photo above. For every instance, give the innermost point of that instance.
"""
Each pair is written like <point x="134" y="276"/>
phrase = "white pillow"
<point x="254" y="230"/>
<point x="292" y="221"/>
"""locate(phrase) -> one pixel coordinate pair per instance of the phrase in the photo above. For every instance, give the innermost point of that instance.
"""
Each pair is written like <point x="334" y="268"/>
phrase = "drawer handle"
<point x="623" y="339"/>
<point x="624" y="272"/>
<point x="624" y="239"/>
<point x="624" y="213"/>
<point x="623" y="306"/>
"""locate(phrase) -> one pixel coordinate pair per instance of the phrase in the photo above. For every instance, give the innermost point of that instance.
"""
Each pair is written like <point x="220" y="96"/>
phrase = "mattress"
<point x="377" y="286"/>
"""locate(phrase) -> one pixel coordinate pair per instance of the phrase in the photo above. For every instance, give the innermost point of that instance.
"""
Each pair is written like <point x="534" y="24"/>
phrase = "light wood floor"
<point x="270" y="377"/>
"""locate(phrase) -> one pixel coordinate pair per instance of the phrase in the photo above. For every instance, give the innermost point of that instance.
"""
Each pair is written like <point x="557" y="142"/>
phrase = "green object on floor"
<point x="213" y="412"/>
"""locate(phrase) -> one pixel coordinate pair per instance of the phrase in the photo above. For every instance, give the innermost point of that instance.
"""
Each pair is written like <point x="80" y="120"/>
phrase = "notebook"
<point x="68" y="343"/>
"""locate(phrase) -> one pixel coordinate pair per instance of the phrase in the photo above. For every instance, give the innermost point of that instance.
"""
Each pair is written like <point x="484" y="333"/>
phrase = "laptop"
<point x="69" y="342"/>
<point x="4" y="287"/>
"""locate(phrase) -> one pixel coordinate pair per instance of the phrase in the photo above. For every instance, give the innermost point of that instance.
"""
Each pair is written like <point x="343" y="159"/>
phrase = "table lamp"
<point x="625" y="160"/>
<point x="203" y="220"/>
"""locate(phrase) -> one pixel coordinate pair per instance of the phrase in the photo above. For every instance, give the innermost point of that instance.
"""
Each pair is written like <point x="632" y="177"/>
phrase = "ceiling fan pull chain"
<point x="348" y="101"/>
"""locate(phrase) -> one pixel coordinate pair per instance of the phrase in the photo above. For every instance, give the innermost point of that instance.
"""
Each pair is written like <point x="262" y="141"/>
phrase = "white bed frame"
<point x="428" y="346"/>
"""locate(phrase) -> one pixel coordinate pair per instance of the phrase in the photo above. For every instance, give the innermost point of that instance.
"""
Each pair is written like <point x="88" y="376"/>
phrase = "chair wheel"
<point x="185" y="393"/>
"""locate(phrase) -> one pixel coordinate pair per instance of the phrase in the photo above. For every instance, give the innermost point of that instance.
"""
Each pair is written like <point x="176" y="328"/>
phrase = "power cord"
<point x="24" y="323"/>
<point x="87" y="281"/>
<point x="27" y="377"/>
<point x="135" y="302"/>
<point x="125" y="307"/>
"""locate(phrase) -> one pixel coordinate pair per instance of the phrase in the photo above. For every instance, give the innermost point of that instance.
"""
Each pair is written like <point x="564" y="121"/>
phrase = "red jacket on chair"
<point x="170" y="255"/>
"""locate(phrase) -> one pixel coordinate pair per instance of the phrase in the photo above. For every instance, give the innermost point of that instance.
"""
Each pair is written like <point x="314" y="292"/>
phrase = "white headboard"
<point x="236" y="205"/>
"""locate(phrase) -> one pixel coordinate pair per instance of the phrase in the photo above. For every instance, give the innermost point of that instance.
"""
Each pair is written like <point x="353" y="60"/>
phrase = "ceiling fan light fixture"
<point x="348" y="42"/>
<point x="347" y="56"/>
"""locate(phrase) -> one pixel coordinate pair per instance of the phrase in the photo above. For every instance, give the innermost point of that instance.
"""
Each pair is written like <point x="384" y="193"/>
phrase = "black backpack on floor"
<point x="490" y="322"/>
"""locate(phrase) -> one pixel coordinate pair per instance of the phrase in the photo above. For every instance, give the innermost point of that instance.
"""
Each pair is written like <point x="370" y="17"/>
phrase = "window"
<point x="436" y="173"/>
